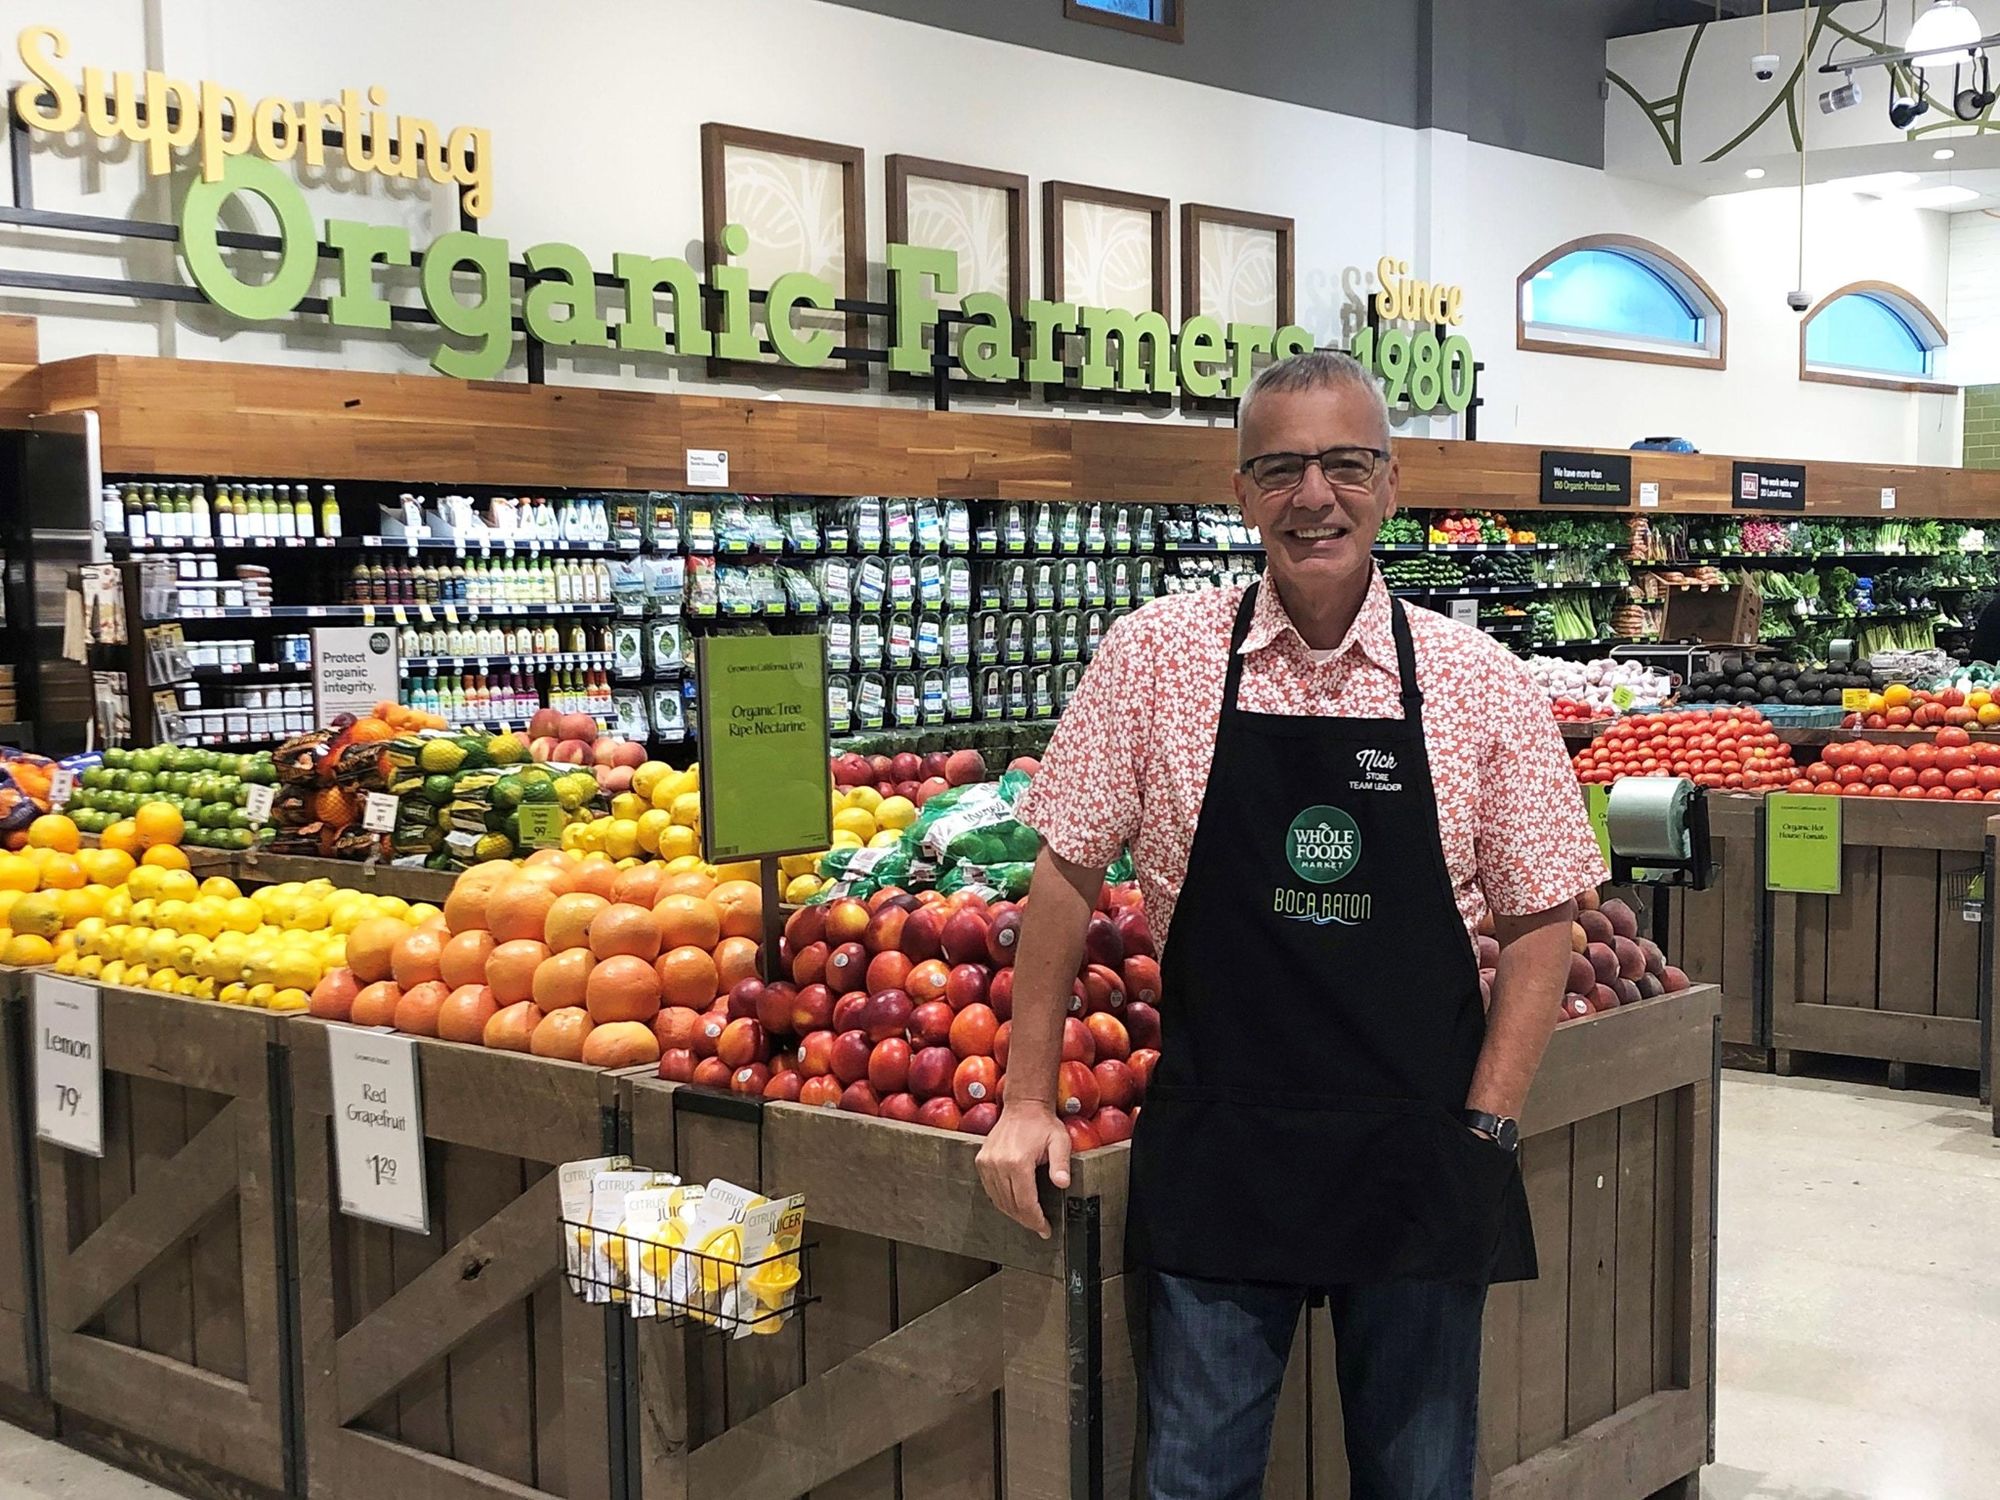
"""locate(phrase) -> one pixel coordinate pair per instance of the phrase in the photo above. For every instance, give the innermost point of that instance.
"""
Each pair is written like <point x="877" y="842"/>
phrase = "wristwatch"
<point x="1506" y="1131"/>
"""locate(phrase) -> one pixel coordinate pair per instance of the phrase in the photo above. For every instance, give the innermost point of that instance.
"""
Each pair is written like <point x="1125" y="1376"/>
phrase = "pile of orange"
<point x="563" y="955"/>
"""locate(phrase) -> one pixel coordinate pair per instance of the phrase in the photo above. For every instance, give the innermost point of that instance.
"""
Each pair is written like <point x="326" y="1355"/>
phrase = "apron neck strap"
<point x="1399" y="627"/>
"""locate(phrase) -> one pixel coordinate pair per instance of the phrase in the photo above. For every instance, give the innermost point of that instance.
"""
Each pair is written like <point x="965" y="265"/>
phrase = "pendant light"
<point x="1946" y="28"/>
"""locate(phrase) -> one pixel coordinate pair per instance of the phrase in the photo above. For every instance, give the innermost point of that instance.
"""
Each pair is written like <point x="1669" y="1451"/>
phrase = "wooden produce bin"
<point x="454" y="1364"/>
<point x="165" y="1263"/>
<point x="23" y="1388"/>
<point x="253" y="868"/>
<point x="1716" y="936"/>
<point x="1890" y="967"/>
<point x="952" y="1355"/>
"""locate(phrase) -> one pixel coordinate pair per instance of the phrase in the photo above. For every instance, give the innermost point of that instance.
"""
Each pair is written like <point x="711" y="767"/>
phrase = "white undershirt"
<point x="1321" y="658"/>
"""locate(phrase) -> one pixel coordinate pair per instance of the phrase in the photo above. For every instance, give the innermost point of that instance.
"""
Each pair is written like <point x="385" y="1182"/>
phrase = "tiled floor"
<point x="1859" y="1346"/>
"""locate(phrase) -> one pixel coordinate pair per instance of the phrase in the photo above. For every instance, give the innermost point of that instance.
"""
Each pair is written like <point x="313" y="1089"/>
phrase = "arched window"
<point x="1872" y="334"/>
<point x="1614" y="297"/>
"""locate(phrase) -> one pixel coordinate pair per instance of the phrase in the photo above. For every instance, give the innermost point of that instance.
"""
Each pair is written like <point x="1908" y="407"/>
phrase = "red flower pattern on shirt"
<point x="1128" y="764"/>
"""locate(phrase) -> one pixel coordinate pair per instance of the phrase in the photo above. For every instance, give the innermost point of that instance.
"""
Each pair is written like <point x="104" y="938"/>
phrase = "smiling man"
<point x="1323" y="788"/>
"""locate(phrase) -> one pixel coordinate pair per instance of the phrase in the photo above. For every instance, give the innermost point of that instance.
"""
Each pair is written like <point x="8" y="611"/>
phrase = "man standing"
<point x="1322" y="789"/>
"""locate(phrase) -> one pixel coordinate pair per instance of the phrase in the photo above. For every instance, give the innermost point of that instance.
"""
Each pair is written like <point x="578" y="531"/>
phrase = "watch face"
<point x="1509" y="1135"/>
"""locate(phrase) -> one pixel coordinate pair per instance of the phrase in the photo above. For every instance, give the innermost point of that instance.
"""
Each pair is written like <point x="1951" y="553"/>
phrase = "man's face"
<point x="1317" y="536"/>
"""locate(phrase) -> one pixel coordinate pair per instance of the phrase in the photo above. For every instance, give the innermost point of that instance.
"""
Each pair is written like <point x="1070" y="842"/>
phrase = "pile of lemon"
<point x="53" y="885"/>
<point x="207" y="940"/>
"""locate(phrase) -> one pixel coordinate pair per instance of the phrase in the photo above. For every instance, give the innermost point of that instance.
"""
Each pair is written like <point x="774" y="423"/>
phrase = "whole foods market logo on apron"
<point x="1323" y="847"/>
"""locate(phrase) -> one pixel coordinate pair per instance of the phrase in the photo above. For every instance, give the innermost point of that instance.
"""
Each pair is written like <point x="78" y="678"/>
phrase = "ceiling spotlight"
<point x="1903" y="108"/>
<point x="1753" y="173"/>
<point x="1947" y="27"/>
<point x="1970" y="103"/>
<point x="1845" y="96"/>
<point x="1943" y="153"/>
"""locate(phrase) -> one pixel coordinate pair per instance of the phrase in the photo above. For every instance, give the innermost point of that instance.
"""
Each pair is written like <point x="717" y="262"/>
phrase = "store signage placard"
<point x="541" y="824"/>
<point x="708" y="468"/>
<point x="68" y="1046"/>
<point x="1802" y="844"/>
<point x="355" y="667"/>
<point x="764" y="745"/>
<point x="1762" y="486"/>
<point x="1427" y="365"/>
<point x="378" y="1127"/>
<point x="1586" y="478"/>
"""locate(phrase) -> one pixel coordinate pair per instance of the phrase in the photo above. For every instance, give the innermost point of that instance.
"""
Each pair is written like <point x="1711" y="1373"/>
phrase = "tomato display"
<point x="1725" y="749"/>
<point x="1948" y="769"/>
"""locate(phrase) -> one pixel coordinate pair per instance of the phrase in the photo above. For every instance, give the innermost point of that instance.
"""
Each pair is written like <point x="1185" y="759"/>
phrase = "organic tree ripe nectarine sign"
<point x="764" y="746"/>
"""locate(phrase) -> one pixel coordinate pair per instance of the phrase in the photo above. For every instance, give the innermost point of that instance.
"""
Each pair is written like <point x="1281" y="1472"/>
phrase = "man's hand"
<point x="1028" y="1134"/>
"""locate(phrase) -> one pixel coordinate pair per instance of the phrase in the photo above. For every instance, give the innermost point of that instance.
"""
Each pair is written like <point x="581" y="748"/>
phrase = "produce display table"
<point x="1716" y="936"/>
<point x="456" y="1363"/>
<point x="23" y="1389"/>
<point x="1889" y="968"/>
<point x="950" y="1348"/>
<point x="255" y="867"/>
<point x="164" y="1263"/>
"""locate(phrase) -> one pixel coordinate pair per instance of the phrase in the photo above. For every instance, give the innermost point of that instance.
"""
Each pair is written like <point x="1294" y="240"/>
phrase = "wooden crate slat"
<point x="494" y="1266"/>
<point x="488" y="1371"/>
<point x="368" y="1464"/>
<point x="1500" y="1379"/>
<point x="1612" y="1058"/>
<point x="854" y="1277"/>
<point x="1545" y="1164"/>
<point x="1633" y="1335"/>
<point x="1742" y="908"/>
<point x="164" y="1402"/>
<point x="1939" y="1041"/>
<point x="1908" y="906"/>
<point x="1637" y="1451"/>
<point x="1666" y="1239"/>
<point x="1700" y="952"/>
<point x="1815" y="923"/>
<point x="215" y="1265"/>
<point x="1037" y="1426"/>
<point x="1957" y="939"/>
<point x="423" y="1395"/>
<point x="105" y="1185"/>
<point x="1593" y="1270"/>
<point x="166" y="1287"/>
<point x="1853" y="928"/>
<point x="1286" y="1476"/>
<point x="940" y="1363"/>
<point x="18" y="1375"/>
<point x="1124" y="1348"/>
<point x="955" y="1459"/>
<point x="177" y="1196"/>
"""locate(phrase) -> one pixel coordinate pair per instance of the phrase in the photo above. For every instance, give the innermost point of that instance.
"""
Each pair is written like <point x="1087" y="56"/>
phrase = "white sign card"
<point x="708" y="468"/>
<point x="62" y="786"/>
<point x="68" y="1044"/>
<point x="1649" y="495"/>
<point x="1465" y="611"/>
<point x="1888" y="497"/>
<point x="354" y="668"/>
<point x="378" y="812"/>
<point x="258" y="801"/>
<point x="378" y="1127"/>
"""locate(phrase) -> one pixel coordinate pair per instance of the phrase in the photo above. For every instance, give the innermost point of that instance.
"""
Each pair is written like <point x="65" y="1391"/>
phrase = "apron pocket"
<point x="1232" y="1188"/>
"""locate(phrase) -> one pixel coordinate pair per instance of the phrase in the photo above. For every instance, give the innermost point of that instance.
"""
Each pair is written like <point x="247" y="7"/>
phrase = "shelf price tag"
<point x="68" y="1044"/>
<point x="1888" y="497"/>
<point x="1596" y="802"/>
<point x="1854" y="700"/>
<point x="62" y="785"/>
<point x="378" y="1132"/>
<point x="378" y="813"/>
<point x="257" y="802"/>
<point x="541" y="824"/>
<point x="1802" y="844"/>
<point x="451" y="614"/>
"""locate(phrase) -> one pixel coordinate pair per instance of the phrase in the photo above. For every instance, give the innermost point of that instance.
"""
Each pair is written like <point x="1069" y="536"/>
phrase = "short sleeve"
<point x="1086" y="799"/>
<point x="1534" y="845"/>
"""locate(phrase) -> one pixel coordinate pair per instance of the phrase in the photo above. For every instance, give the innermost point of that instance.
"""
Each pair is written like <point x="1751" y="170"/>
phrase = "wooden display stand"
<point x="253" y="867"/>
<point x="1716" y="936"/>
<point x="164" y="1262"/>
<point x="23" y="1387"/>
<point x="455" y="1364"/>
<point x="1890" y="967"/>
<point x="953" y="1355"/>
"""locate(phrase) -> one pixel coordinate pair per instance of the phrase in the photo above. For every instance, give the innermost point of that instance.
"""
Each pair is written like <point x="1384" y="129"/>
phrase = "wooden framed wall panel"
<point x="422" y="1354"/>
<point x="979" y="214"/>
<point x="202" y="417"/>
<point x="163" y="1287"/>
<point x="1122" y="241"/>
<point x="804" y="203"/>
<point x="1245" y="271"/>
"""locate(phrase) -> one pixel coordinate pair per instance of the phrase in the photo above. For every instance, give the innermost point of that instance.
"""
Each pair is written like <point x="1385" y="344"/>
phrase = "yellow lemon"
<point x="132" y="947"/>
<point x="113" y="971"/>
<point x="896" y="812"/>
<point x="628" y="805"/>
<point x="743" y="869"/>
<point x="204" y="988"/>
<point x="842" y="839"/>
<point x="141" y="914"/>
<point x="394" y="906"/>
<point x="7" y="900"/>
<point x="681" y="863"/>
<point x="111" y="942"/>
<point x="172" y="913"/>
<point x="572" y="838"/>
<point x="621" y="840"/>
<point x="27" y="949"/>
<point x="108" y="866"/>
<point x="309" y="916"/>
<point x="678" y="842"/>
<point x="233" y="994"/>
<point x="18" y="874"/>
<point x="90" y="966"/>
<point x="1897" y="695"/>
<point x="218" y="885"/>
<point x="421" y="912"/>
<point x="294" y="968"/>
<point x="205" y="915"/>
<point x="65" y="942"/>
<point x="864" y="797"/>
<point x="857" y="822"/>
<point x="165" y="857"/>
<point x="260" y="995"/>
<point x="146" y="883"/>
<point x="648" y="775"/>
<point x="66" y="963"/>
<point x="190" y="953"/>
<point x="686" y="809"/>
<point x="653" y="823"/>
<point x="802" y="889"/>
<point x="161" y="945"/>
<point x="1979" y="698"/>
<point x="163" y="980"/>
<point x="88" y="901"/>
<point x="136" y="975"/>
<point x="290" y="1000"/>
<point x="89" y="933"/>
<point x="240" y="914"/>
<point x="118" y="905"/>
<point x="888" y="838"/>
<point x="188" y="986"/>
<point x="38" y="914"/>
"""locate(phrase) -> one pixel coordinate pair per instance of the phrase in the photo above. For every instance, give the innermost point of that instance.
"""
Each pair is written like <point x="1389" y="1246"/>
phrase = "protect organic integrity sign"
<point x="354" y="668"/>
<point x="763" y="745"/>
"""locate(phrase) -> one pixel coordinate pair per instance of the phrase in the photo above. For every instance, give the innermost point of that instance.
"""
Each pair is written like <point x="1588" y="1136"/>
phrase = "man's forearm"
<point x="1060" y="901"/>
<point x="1527" y="990"/>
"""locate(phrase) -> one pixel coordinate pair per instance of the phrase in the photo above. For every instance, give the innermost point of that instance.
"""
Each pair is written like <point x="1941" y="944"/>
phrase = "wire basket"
<point x="673" y="1284"/>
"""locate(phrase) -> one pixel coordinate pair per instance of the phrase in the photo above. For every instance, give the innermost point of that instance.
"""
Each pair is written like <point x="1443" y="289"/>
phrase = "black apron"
<point x="1321" y="1018"/>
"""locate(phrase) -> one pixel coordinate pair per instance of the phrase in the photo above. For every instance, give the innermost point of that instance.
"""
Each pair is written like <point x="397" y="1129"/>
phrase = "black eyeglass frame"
<point x="1380" y="456"/>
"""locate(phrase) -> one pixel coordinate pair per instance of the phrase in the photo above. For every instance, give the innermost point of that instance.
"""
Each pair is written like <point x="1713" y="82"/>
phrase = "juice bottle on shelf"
<point x="302" y="511"/>
<point x="134" y="504"/>
<point x="111" y="511"/>
<point x="287" y="519"/>
<point x="225" y="516"/>
<point x="204" y="532"/>
<point x="329" y="512"/>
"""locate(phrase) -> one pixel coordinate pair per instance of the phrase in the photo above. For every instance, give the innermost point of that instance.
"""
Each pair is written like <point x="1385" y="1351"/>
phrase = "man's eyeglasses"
<point x="1343" y="468"/>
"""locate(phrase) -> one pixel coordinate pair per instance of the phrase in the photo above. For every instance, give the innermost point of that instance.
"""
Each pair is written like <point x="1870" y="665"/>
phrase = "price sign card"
<point x="1802" y="843"/>
<point x="68" y="1044"/>
<point x="378" y="812"/>
<point x="62" y="786"/>
<point x="541" y="824"/>
<point x="378" y="1128"/>
<point x="258" y="802"/>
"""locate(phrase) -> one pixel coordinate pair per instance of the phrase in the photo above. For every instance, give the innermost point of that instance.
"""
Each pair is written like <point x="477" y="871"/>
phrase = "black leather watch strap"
<point x="1505" y="1130"/>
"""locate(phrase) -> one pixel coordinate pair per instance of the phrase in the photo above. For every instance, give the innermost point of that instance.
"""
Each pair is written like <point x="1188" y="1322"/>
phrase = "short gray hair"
<point x="1316" y="369"/>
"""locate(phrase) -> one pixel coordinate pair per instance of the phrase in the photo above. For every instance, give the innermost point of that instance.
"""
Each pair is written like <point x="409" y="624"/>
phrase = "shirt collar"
<point x="1372" y="632"/>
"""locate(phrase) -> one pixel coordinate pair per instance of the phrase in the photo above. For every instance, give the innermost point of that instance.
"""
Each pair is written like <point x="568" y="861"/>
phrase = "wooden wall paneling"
<point x="215" y="1263"/>
<point x="166" y="1291"/>
<point x="20" y="370"/>
<point x="1957" y="939"/>
<point x="1500" y="1380"/>
<point x="1544" y="1396"/>
<point x="1742" y="935"/>
<point x="1632" y="1359"/>
<point x="489" y="1375"/>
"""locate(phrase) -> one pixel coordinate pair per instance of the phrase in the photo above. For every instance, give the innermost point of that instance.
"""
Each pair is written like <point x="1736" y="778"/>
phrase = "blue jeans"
<point x="1407" y="1353"/>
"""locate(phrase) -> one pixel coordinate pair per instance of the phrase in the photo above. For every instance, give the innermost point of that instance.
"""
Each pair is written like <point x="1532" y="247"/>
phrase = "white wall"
<point x="595" y="120"/>
<point x="1973" y="303"/>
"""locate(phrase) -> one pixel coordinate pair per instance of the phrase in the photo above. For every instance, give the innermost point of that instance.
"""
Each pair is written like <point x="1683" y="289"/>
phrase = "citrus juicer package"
<point x="743" y="1267"/>
<point x="657" y="1221"/>
<point x="573" y="1181"/>
<point x="607" y="1276"/>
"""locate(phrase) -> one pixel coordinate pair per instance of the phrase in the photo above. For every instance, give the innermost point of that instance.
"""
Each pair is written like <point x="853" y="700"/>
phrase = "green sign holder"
<point x="1596" y="798"/>
<point x="1802" y="844"/>
<point x="764" y="746"/>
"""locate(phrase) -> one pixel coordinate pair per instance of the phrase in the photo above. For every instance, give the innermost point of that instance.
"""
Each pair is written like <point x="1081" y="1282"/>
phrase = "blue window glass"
<point x="1137" y="10"/>
<point x="1606" y="291"/>
<point x="1859" y="332"/>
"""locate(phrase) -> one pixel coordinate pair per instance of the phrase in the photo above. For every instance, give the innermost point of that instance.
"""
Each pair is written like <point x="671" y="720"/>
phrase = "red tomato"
<point x="1884" y="790"/>
<point x="1801" y="786"/>
<point x="1986" y="753"/>
<point x="1961" y="779"/>
<point x="1857" y="789"/>
<point x="1923" y="757"/>
<point x="1903" y="776"/>
<point x="1951" y="698"/>
<point x="1912" y="792"/>
<point x="1953" y="736"/>
<point x="1891" y="756"/>
<point x="1950" y="760"/>
<point x="1818" y="772"/>
<point x="1939" y="794"/>
<point x="1877" y="774"/>
<point x="1970" y="794"/>
<point x="1897" y="718"/>
<point x="1850" y="775"/>
<point x="1931" y="778"/>
<point x="1987" y="778"/>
